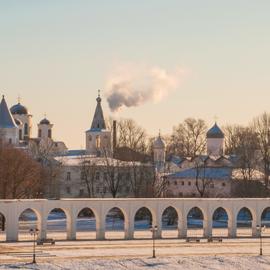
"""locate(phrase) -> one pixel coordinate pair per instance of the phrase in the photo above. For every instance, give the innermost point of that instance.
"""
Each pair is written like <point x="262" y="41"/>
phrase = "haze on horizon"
<point x="186" y="58"/>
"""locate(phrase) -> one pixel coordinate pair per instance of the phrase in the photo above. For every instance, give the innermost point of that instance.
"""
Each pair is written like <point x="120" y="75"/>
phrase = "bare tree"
<point x="112" y="173"/>
<point x="20" y="174"/>
<point x="202" y="181"/>
<point x="243" y="142"/>
<point x="232" y="138"/>
<point x="188" y="138"/>
<point x="42" y="152"/>
<point x="262" y="128"/>
<point x="88" y="169"/>
<point x="131" y="135"/>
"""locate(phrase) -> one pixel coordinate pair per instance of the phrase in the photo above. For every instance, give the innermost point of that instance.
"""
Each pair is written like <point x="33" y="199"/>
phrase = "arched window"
<point x="90" y="138"/>
<point x="39" y="133"/>
<point x="50" y="133"/>
<point x="97" y="141"/>
<point x="25" y="129"/>
<point x="20" y="134"/>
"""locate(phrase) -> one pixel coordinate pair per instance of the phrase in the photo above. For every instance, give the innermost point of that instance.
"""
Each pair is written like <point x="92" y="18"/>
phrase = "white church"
<point x="16" y="129"/>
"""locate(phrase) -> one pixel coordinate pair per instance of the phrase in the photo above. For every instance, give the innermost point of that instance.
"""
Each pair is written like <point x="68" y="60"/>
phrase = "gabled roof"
<point x="98" y="122"/>
<point x="215" y="132"/>
<point x="6" y="119"/>
<point x="222" y="173"/>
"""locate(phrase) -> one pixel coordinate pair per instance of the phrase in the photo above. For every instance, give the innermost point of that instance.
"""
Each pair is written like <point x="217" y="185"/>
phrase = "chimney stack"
<point x="114" y="136"/>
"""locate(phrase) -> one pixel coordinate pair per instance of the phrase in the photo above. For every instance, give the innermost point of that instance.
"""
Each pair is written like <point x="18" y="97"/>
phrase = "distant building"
<point x="98" y="137"/>
<point x="215" y="141"/>
<point x="16" y="129"/>
<point x="197" y="182"/>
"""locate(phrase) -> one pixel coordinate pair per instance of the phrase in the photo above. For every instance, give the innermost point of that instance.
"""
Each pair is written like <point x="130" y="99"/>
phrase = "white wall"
<point x="12" y="209"/>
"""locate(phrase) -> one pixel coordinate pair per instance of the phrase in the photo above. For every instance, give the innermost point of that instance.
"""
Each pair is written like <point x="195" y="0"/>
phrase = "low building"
<point x="200" y="182"/>
<point x="102" y="177"/>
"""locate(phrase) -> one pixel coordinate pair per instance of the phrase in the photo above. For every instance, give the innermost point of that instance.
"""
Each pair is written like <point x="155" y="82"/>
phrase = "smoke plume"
<point x="130" y="86"/>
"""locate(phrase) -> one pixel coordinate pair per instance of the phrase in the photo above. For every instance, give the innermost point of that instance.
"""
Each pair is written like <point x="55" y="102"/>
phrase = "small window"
<point x="183" y="183"/>
<point x="90" y="138"/>
<point x="193" y="195"/>
<point x="39" y="133"/>
<point x="97" y="175"/>
<point x="180" y="194"/>
<point x="25" y="129"/>
<point x="175" y="183"/>
<point x="20" y="134"/>
<point x="223" y="184"/>
<point x="81" y="192"/>
<point x="10" y="141"/>
<point x="168" y="183"/>
<point x="68" y="190"/>
<point x="50" y="133"/>
<point x="104" y="189"/>
<point x="189" y="183"/>
<point x="68" y="176"/>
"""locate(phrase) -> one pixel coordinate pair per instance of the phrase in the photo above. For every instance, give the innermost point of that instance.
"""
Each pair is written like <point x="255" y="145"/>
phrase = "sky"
<point x="56" y="54"/>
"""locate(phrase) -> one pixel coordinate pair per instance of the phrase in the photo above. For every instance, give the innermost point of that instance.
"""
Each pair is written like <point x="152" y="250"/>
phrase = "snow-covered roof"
<point x="98" y="161"/>
<point x="238" y="174"/>
<point x="6" y="119"/>
<point x="221" y="173"/>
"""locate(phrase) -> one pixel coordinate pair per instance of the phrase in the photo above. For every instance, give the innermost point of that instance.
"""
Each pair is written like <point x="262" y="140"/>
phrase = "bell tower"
<point x="98" y="138"/>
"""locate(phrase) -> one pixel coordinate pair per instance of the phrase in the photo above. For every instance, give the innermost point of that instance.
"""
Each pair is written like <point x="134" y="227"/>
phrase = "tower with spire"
<point x="9" y="131"/>
<point x="159" y="152"/>
<point x="98" y="138"/>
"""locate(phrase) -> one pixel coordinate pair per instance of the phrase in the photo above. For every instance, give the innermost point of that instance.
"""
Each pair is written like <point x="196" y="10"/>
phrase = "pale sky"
<point x="55" y="54"/>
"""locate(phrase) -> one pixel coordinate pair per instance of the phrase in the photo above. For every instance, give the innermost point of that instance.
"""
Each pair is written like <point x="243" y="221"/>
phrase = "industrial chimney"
<point x="114" y="137"/>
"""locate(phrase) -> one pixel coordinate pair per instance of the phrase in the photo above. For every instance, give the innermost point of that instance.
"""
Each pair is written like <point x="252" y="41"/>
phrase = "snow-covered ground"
<point x="136" y="254"/>
<point x="168" y="263"/>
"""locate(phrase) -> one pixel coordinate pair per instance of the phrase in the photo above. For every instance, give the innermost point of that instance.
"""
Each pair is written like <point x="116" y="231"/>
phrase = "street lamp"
<point x="153" y="229"/>
<point x="260" y="229"/>
<point x="34" y="232"/>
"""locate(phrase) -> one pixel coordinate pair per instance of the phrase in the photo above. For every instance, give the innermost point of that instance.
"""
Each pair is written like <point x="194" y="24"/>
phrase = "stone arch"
<point x="58" y="223"/>
<point x="143" y="220"/>
<point x="265" y="217"/>
<point x="169" y="222"/>
<point x="244" y="222"/>
<point x="2" y="227"/>
<point x="265" y="221"/>
<point x="220" y="219"/>
<point x="29" y="218"/>
<point x="86" y="224"/>
<point x="115" y="221"/>
<point x="195" y="218"/>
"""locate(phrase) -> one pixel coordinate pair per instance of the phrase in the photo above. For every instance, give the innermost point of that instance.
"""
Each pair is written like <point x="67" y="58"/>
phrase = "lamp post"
<point x="34" y="232"/>
<point x="153" y="229"/>
<point x="260" y="229"/>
